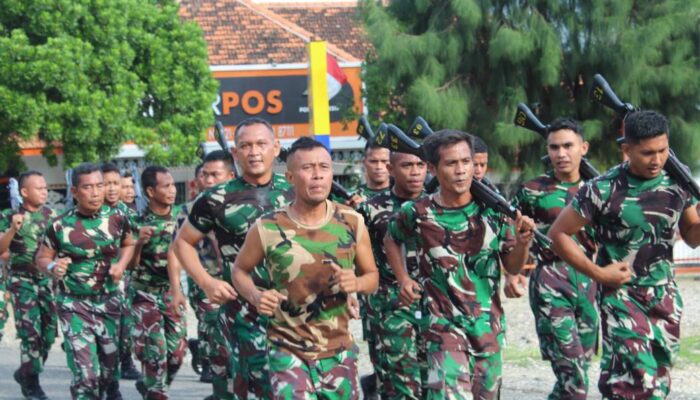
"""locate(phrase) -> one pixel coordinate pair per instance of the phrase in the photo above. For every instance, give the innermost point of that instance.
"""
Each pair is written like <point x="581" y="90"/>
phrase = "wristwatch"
<point x="51" y="266"/>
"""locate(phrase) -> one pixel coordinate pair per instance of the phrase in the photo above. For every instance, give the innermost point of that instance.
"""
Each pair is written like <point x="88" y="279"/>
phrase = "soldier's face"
<point x="113" y="187"/>
<point x="310" y="172"/>
<point x="164" y="192"/>
<point x="409" y="173"/>
<point x="648" y="157"/>
<point x="128" y="194"/>
<point x="34" y="191"/>
<point x="215" y="172"/>
<point x="455" y="168"/>
<point x="255" y="151"/>
<point x="566" y="149"/>
<point x="481" y="165"/>
<point x="90" y="192"/>
<point x="376" y="164"/>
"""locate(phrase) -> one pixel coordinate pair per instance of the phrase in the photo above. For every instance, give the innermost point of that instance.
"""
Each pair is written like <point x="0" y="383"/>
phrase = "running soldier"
<point x="395" y="327"/>
<point x="157" y="301"/>
<point x="113" y="185"/>
<point x="88" y="248"/>
<point x="461" y="244"/>
<point x="562" y="299"/>
<point x="230" y="210"/>
<point x="633" y="209"/>
<point x="311" y="249"/>
<point x="32" y="294"/>
<point x="213" y="348"/>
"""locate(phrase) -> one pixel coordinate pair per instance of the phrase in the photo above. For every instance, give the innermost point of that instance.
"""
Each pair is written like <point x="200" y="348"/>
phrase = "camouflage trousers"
<point x="401" y="352"/>
<point x="213" y="345"/>
<point x="641" y="340"/>
<point x="563" y="302"/>
<point x="160" y="341"/>
<point x="332" y="378"/>
<point x="90" y="326"/>
<point x="246" y="331"/>
<point x="371" y="316"/>
<point x="3" y="302"/>
<point x="458" y="375"/>
<point x="35" y="319"/>
<point x="126" y="324"/>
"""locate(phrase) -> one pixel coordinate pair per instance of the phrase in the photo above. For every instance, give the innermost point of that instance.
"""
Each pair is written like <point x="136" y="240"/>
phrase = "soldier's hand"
<point x="615" y="274"/>
<point x="353" y="307"/>
<point x="219" y="292"/>
<point x="345" y="278"/>
<point x="17" y="221"/>
<point x="61" y="267"/>
<point x="524" y="229"/>
<point x="515" y="285"/>
<point x="409" y="292"/>
<point x="145" y="233"/>
<point x="116" y="272"/>
<point x="178" y="303"/>
<point x="355" y="201"/>
<point x="267" y="302"/>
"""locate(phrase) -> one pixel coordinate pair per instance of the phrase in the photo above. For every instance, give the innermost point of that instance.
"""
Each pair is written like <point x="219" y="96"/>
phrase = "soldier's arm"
<point x="514" y="260"/>
<point x="178" y="302"/>
<point x="251" y="254"/>
<point x="368" y="280"/>
<point x="126" y="252"/>
<point x="44" y="256"/>
<point x="567" y="224"/>
<point x="8" y="234"/>
<point x="185" y="250"/>
<point x="689" y="226"/>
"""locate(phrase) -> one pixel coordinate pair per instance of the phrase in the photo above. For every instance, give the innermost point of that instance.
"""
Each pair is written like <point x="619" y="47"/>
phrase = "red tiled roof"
<point x="239" y="32"/>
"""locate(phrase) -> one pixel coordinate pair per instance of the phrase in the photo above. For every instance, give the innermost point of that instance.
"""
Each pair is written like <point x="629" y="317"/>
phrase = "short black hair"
<point x="565" y="123"/>
<point x="25" y="175"/>
<point x="110" y="167"/>
<point x="252" y="121"/>
<point x="444" y="137"/>
<point x="646" y="124"/>
<point x="127" y="174"/>
<point x="219" y="155"/>
<point x="305" y="143"/>
<point x="480" y="146"/>
<point x="83" y="169"/>
<point x="148" y="176"/>
<point x="197" y="169"/>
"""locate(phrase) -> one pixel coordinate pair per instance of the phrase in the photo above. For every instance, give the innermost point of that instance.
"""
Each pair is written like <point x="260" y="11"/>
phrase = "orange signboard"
<point x="279" y="95"/>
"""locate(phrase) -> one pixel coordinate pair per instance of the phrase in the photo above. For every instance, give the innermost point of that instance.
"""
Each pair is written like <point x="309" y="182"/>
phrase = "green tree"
<point x="90" y="75"/>
<point x="466" y="64"/>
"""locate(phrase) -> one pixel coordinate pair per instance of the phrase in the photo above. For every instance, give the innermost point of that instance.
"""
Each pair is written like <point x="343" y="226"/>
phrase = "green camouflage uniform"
<point x="212" y="345"/>
<point x="562" y="299"/>
<point x="89" y="306"/>
<point x="396" y="328"/>
<point x="126" y="323"/>
<point x="635" y="220"/>
<point x="32" y="296"/>
<point x="159" y="334"/>
<point x="230" y="209"/>
<point x="312" y="354"/>
<point x="3" y="303"/>
<point x="459" y="252"/>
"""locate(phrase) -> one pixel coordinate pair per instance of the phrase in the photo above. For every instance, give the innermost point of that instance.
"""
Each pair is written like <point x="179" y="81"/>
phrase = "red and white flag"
<point x="335" y="75"/>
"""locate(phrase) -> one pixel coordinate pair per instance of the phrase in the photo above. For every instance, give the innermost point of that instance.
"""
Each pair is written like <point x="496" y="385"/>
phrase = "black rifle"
<point x="400" y="142"/>
<point x="602" y="93"/>
<point x="524" y="117"/>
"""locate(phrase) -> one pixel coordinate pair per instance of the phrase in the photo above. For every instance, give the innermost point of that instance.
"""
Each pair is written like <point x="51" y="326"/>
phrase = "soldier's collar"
<point x="245" y="182"/>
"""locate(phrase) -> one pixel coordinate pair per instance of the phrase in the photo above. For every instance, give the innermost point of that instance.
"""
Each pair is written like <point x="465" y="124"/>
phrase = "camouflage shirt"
<point x="543" y="199"/>
<point x="151" y="274"/>
<point x="313" y="322"/>
<point x="459" y="253"/>
<point x="25" y="243"/>
<point x="92" y="243"/>
<point x="377" y="212"/>
<point x="208" y="255"/>
<point x="367" y="193"/>
<point x="634" y="220"/>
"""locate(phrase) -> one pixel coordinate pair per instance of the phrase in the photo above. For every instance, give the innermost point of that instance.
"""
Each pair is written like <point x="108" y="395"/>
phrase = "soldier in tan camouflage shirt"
<point x="310" y="249"/>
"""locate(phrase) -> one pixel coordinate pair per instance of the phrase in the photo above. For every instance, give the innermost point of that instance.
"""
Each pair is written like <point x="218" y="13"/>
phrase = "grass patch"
<point x="690" y="350"/>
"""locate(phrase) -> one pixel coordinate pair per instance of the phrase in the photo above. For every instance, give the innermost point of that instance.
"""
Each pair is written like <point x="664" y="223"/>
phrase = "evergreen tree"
<point x="466" y="64"/>
<point x="90" y="75"/>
